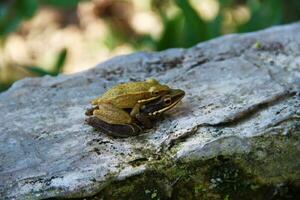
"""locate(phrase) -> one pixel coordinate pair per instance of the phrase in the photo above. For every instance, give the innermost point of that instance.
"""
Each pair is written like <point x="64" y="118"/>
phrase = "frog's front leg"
<point x="136" y="109"/>
<point x="144" y="120"/>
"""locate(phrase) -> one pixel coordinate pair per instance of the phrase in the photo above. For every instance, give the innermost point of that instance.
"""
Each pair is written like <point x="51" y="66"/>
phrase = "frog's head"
<point x="159" y="90"/>
<point x="156" y="89"/>
<point x="164" y="103"/>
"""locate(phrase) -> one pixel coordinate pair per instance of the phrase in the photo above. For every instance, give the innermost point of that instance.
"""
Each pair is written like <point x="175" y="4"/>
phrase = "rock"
<point x="237" y="128"/>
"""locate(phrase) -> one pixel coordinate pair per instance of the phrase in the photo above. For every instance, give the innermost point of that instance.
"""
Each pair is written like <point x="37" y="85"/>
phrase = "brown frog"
<point x="130" y="95"/>
<point x="120" y="123"/>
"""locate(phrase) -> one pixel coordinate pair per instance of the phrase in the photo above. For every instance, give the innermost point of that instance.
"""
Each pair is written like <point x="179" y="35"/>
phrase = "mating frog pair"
<point x="127" y="108"/>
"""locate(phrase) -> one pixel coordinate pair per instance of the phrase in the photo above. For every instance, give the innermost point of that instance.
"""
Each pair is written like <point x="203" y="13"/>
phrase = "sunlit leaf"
<point x="110" y="40"/>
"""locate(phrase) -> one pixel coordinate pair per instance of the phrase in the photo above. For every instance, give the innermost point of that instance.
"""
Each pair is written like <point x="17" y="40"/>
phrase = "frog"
<point x="123" y="125"/>
<point x="131" y="95"/>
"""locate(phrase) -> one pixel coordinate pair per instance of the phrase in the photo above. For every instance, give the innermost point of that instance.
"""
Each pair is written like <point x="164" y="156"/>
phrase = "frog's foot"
<point x="89" y="111"/>
<point x="115" y="130"/>
<point x="144" y="120"/>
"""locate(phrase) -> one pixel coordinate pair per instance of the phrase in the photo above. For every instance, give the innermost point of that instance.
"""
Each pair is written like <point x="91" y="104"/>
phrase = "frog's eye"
<point x="154" y="91"/>
<point x="167" y="100"/>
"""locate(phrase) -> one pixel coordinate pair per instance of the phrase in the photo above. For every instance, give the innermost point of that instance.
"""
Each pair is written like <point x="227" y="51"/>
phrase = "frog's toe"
<point x="90" y="111"/>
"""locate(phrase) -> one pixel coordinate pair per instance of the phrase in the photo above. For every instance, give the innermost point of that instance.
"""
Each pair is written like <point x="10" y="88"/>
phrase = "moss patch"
<point x="270" y="171"/>
<point x="218" y="178"/>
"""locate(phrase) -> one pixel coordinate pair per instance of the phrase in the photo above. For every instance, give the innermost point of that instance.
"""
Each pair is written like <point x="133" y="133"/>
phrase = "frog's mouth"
<point x="164" y="103"/>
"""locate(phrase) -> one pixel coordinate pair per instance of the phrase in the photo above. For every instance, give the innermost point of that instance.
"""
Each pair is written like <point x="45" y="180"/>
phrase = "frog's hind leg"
<point x="113" y="121"/>
<point x="115" y="130"/>
<point x="112" y="115"/>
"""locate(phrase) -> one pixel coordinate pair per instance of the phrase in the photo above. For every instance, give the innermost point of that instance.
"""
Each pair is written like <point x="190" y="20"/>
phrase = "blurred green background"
<point x="49" y="37"/>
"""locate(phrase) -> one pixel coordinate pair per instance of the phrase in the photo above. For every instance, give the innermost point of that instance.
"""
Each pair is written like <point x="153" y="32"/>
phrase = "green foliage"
<point x="263" y="14"/>
<point x="185" y="28"/>
<point x="13" y="12"/>
<point x="4" y="86"/>
<point x="39" y="71"/>
<point x="194" y="28"/>
<point x="56" y="69"/>
<point x="291" y="10"/>
<point x="171" y="36"/>
<point x="26" y="8"/>
<point x="61" y="3"/>
<point x="61" y="58"/>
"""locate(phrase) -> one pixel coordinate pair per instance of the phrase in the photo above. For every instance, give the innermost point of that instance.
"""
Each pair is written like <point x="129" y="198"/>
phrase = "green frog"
<point x="122" y="124"/>
<point x="131" y="95"/>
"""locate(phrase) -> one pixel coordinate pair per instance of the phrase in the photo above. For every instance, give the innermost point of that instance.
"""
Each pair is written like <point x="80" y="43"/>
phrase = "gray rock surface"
<point x="241" y="93"/>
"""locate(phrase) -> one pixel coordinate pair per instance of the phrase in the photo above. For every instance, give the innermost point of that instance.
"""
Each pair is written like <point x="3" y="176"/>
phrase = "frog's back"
<point x="126" y="89"/>
<point x="125" y="95"/>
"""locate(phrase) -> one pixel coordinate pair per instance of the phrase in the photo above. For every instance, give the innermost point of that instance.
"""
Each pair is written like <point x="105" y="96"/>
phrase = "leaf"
<point x="4" y="86"/>
<point x="291" y="11"/>
<point x="61" y="59"/>
<point x="61" y="3"/>
<point x="263" y="14"/>
<point x="7" y="26"/>
<point x="38" y="71"/>
<point x="12" y="13"/>
<point x="195" y="29"/>
<point x="172" y="33"/>
<point x="153" y="195"/>
<point x="111" y="40"/>
<point x="57" y="68"/>
<point x="214" y="27"/>
<point x="26" y="8"/>
<point x="3" y="11"/>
